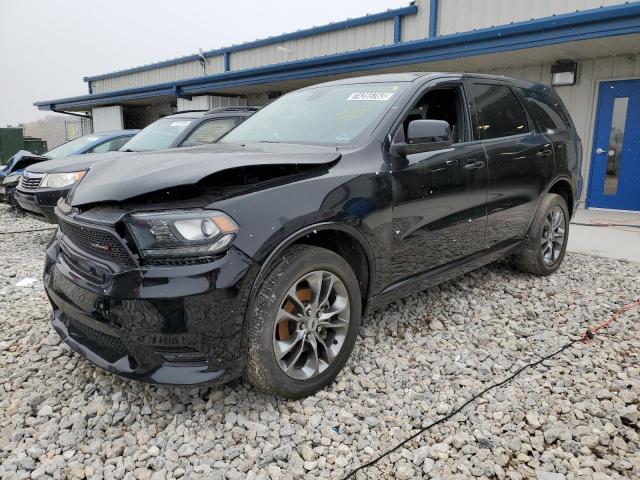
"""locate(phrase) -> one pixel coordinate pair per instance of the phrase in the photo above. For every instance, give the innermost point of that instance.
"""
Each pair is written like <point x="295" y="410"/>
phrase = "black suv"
<point x="258" y="255"/>
<point x="43" y="184"/>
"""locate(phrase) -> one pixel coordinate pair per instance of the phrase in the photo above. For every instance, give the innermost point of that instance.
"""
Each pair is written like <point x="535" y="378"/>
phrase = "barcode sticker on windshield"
<point x="370" y="96"/>
<point x="180" y="124"/>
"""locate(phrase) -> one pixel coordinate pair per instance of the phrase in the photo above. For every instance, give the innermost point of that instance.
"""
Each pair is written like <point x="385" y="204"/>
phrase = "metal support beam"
<point x="433" y="18"/>
<point x="397" y="29"/>
<point x="227" y="64"/>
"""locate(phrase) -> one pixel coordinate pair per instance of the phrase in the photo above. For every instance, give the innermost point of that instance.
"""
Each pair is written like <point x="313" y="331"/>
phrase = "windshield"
<point x="332" y="115"/>
<point x="68" y="148"/>
<point x="157" y="136"/>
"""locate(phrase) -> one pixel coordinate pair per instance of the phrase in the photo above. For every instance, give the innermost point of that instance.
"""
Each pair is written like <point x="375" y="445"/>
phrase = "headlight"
<point x="61" y="180"/>
<point x="183" y="233"/>
<point x="11" y="179"/>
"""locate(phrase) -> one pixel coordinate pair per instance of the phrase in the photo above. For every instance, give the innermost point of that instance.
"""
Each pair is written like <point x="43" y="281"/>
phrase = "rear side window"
<point x="209" y="132"/>
<point x="501" y="114"/>
<point x="547" y="112"/>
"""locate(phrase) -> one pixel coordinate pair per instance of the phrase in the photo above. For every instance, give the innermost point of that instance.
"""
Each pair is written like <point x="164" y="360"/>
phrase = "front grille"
<point x="30" y="183"/>
<point x="108" y="342"/>
<point x="97" y="242"/>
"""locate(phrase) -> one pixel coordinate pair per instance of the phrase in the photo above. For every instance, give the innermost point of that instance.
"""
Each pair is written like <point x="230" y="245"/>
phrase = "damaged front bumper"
<point x="179" y="325"/>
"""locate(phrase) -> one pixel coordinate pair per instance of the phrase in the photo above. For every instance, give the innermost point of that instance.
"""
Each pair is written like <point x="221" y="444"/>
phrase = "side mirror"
<point x="425" y="136"/>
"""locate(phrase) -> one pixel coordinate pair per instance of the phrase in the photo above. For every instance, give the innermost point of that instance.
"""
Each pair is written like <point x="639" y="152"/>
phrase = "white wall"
<point x="580" y="99"/>
<point x="464" y="15"/>
<point x="414" y="27"/>
<point x="349" y="39"/>
<point x="107" y="118"/>
<point x="159" y="75"/>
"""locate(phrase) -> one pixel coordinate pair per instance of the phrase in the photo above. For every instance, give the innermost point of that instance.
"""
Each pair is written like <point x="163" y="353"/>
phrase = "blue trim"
<point x="331" y="27"/>
<point x="227" y="61"/>
<point x="590" y="24"/>
<point x="397" y="29"/>
<point x="433" y="18"/>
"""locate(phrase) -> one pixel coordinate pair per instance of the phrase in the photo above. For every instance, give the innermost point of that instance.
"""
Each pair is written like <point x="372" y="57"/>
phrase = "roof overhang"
<point x="569" y="28"/>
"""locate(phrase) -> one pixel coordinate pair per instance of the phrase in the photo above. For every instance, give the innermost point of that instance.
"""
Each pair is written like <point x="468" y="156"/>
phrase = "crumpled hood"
<point x="74" y="163"/>
<point x="133" y="174"/>
<point x="19" y="161"/>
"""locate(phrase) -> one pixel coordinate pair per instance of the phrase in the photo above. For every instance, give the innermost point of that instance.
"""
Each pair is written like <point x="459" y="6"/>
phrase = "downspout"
<point x="54" y="109"/>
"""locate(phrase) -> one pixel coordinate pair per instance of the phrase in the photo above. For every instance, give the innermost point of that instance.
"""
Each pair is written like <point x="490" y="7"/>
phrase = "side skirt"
<point x="443" y="273"/>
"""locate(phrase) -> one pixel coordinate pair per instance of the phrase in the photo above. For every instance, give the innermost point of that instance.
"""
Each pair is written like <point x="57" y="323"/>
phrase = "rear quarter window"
<point x="547" y="112"/>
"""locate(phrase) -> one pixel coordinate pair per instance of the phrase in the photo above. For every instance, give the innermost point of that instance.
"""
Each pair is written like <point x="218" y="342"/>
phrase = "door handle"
<point x="544" y="153"/>
<point x="475" y="165"/>
<point x="599" y="151"/>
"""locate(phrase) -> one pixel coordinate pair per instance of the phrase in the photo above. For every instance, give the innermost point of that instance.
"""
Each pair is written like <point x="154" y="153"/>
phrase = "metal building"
<point x="589" y="50"/>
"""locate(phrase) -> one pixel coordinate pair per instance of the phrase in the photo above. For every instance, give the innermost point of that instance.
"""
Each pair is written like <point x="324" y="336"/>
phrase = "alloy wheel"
<point x="553" y="235"/>
<point x="311" y="325"/>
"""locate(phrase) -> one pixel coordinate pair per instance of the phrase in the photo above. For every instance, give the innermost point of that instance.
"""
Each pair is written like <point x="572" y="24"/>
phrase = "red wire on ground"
<point x="588" y="335"/>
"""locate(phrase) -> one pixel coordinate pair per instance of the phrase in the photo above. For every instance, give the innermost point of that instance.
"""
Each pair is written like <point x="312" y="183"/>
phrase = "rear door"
<point x="520" y="161"/>
<point x="439" y="207"/>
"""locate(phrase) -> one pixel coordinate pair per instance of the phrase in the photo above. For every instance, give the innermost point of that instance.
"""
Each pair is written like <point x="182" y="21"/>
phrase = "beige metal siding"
<point x="159" y="75"/>
<point x="580" y="99"/>
<point x="106" y="119"/>
<point x="355" y="38"/>
<point x="416" y="26"/>
<point x="464" y="15"/>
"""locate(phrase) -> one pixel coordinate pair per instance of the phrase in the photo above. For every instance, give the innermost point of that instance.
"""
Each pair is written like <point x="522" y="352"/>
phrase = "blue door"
<point x="615" y="165"/>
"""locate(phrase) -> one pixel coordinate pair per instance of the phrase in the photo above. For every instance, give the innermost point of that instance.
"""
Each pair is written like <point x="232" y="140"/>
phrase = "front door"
<point x="615" y="165"/>
<point x="439" y="211"/>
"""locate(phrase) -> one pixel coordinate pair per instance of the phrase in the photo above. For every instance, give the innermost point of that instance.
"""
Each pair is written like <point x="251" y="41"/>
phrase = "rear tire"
<point x="302" y="323"/>
<point x="546" y="244"/>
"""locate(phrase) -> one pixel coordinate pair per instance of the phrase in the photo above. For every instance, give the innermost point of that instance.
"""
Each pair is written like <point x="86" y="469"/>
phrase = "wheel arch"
<point x="562" y="186"/>
<point x="337" y="237"/>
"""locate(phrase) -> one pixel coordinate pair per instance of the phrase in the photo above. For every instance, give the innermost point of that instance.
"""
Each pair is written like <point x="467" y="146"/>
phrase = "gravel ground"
<point x="575" y="416"/>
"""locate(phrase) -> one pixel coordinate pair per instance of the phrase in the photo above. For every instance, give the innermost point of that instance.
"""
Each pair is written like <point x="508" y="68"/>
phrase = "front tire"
<point x="303" y="323"/>
<point x="546" y="245"/>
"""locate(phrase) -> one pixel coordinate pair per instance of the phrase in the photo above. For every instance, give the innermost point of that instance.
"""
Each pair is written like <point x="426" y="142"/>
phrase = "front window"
<point x="159" y="135"/>
<point x="333" y="115"/>
<point x="68" y="148"/>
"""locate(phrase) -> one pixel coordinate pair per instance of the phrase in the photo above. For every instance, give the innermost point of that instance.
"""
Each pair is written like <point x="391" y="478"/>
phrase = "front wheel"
<point x="303" y="323"/>
<point x="546" y="245"/>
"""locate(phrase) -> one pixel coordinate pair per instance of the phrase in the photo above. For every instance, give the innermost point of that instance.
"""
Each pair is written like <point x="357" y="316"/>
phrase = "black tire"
<point x="262" y="369"/>
<point x="531" y="259"/>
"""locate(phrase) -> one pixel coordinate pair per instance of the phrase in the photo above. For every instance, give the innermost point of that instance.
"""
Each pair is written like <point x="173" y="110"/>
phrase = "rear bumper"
<point x="167" y="325"/>
<point x="41" y="202"/>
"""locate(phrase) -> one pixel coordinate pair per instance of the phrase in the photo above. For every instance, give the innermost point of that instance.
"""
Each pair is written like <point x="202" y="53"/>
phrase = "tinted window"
<point x="68" y="148"/>
<point x="547" y="112"/>
<point x="501" y="114"/>
<point x="209" y="132"/>
<point x="160" y="134"/>
<point x="111" y="145"/>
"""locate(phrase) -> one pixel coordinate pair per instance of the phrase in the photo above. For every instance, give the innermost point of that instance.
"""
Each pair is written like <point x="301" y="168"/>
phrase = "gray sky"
<point x="48" y="46"/>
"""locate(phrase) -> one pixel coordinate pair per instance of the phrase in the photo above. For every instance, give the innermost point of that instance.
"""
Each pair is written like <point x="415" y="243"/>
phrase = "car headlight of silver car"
<point x="61" y="180"/>
<point x="182" y="233"/>
<point x="8" y="180"/>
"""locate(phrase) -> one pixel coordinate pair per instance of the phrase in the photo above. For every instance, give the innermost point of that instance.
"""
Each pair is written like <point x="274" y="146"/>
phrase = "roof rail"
<point x="187" y="111"/>
<point x="233" y="109"/>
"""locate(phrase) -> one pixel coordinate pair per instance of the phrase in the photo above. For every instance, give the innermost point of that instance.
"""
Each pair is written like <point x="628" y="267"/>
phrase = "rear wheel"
<point x="547" y="243"/>
<point x="303" y="323"/>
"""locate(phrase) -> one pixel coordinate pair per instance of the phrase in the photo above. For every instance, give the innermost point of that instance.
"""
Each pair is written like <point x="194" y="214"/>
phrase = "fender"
<point x="265" y="267"/>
